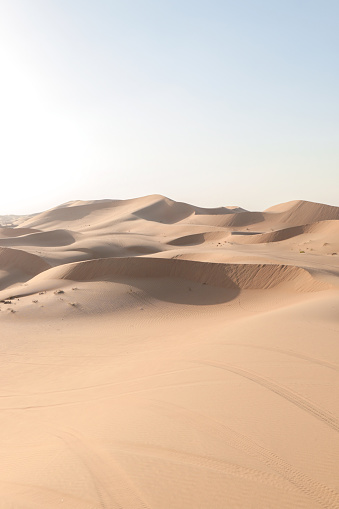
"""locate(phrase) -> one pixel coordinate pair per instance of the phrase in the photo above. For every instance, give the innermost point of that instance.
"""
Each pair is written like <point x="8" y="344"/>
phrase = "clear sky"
<point x="230" y="102"/>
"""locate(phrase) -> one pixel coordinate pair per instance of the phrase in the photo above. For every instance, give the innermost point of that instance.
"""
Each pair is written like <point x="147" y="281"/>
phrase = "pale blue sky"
<point x="208" y="102"/>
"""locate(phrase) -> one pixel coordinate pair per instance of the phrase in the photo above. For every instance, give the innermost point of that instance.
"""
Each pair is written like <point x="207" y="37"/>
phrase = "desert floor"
<point x="160" y="355"/>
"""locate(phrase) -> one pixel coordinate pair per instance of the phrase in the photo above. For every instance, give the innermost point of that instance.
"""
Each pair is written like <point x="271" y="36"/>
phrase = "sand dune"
<point x="305" y="212"/>
<point x="323" y="228"/>
<point x="18" y="266"/>
<point x="320" y="237"/>
<point x="198" y="238"/>
<point x="49" y="238"/>
<point x="242" y="276"/>
<point x="16" y="259"/>
<point x="15" y="232"/>
<point x="156" y="354"/>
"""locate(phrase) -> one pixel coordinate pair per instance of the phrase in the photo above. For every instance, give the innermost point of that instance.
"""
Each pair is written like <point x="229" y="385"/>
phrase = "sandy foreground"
<point x="160" y="355"/>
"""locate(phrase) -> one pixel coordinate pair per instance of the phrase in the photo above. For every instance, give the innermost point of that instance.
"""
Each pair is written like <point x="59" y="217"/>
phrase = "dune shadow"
<point x="162" y="212"/>
<point x="217" y="211"/>
<point x="52" y="238"/>
<point x="9" y="280"/>
<point x="178" y="291"/>
<point x="247" y="233"/>
<point x="242" y="219"/>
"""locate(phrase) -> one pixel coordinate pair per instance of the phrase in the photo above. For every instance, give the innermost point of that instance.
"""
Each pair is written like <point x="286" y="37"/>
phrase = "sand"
<point x="160" y="355"/>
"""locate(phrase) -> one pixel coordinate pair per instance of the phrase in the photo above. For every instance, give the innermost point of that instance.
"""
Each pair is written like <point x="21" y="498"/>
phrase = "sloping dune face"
<point x="305" y="212"/>
<point x="16" y="259"/>
<point x="241" y="276"/>
<point x="17" y="265"/>
<point x="15" y="232"/>
<point x="324" y="229"/>
<point x="155" y="354"/>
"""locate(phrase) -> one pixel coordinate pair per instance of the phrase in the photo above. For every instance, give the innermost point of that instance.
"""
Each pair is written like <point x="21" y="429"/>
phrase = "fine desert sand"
<point x="159" y="355"/>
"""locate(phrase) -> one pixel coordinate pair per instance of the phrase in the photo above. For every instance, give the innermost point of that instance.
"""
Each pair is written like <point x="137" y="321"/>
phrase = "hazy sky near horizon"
<point x="231" y="102"/>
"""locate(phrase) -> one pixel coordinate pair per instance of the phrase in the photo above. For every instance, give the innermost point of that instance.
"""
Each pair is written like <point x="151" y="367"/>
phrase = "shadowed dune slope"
<point x="242" y="276"/>
<point x="16" y="232"/>
<point x="231" y="219"/>
<point x="46" y="239"/>
<point x="244" y="219"/>
<point x="198" y="238"/>
<point x="11" y="259"/>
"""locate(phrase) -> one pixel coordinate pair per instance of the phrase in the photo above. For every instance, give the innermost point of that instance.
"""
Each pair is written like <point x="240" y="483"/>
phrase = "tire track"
<point x="17" y="494"/>
<point x="114" y="488"/>
<point x="325" y="496"/>
<point x="308" y="358"/>
<point x="322" y="415"/>
<point x="110" y="396"/>
<point x="200" y="461"/>
<point x="129" y="381"/>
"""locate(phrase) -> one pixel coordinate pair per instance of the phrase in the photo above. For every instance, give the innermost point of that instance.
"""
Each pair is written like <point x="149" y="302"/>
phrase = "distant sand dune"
<point x="305" y="211"/>
<point x="327" y="228"/>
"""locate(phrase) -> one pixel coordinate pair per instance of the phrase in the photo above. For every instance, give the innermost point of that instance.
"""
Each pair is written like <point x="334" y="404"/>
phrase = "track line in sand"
<point x="114" y="488"/>
<point x="298" y="355"/>
<point x="115" y="396"/>
<point x="324" y="495"/>
<point x="200" y="461"/>
<point x="20" y="491"/>
<point x="107" y="384"/>
<point x="325" y="417"/>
